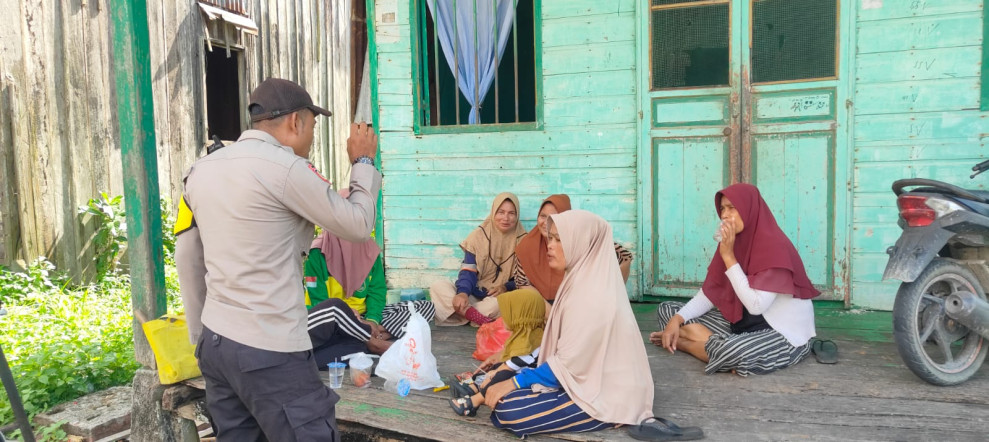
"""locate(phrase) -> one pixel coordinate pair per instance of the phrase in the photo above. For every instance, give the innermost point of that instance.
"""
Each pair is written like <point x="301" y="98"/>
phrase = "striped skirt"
<point x="395" y="316"/>
<point x="760" y="352"/>
<point x="328" y="316"/>
<point x="524" y="412"/>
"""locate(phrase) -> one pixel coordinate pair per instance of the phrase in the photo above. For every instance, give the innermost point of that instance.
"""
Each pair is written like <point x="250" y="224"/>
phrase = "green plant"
<point x="167" y="232"/>
<point x="111" y="231"/>
<point x="40" y="276"/>
<point x="65" y="341"/>
<point x="48" y="433"/>
<point x="62" y="344"/>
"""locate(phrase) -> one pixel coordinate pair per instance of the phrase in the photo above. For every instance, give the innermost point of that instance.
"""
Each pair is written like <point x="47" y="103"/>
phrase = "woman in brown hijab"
<point x="532" y="268"/>
<point x="489" y="255"/>
<point x="592" y="372"/>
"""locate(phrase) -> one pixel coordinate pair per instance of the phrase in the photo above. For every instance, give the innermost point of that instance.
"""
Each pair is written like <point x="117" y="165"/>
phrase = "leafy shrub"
<point x="39" y="277"/>
<point x="65" y="344"/>
<point x="111" y="232"/>
<point x="64" y="341"/>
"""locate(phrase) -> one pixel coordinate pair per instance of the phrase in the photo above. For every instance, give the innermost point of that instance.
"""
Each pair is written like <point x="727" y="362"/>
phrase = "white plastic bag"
<point x="411" y="357"/>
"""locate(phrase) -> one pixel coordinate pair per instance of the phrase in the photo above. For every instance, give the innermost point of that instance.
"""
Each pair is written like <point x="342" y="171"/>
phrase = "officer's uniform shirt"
<point x="254" y="204"/>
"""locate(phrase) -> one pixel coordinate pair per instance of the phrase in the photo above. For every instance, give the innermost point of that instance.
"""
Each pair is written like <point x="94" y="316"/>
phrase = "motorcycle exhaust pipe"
<point x="969" y="310"/>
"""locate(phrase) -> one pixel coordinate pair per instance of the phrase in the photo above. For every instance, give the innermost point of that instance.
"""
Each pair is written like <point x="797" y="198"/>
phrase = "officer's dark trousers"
<point x="261" y="395"/>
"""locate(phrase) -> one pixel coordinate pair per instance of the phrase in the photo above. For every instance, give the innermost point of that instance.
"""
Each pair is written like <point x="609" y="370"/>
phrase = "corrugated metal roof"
<point x="236" y="6"/>
<point x="241" y="21"/>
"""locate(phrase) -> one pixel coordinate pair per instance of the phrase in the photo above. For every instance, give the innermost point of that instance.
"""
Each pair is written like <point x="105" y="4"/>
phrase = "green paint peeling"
<point x="135" y="109"/>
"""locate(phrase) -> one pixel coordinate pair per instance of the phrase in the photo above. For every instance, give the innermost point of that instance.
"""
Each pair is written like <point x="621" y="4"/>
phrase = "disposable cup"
<point x="336" y="374"/>
<point x="360" y="372"/>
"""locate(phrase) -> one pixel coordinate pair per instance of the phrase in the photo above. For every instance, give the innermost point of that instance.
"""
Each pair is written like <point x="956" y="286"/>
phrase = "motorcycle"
<point x="941" y="313"/>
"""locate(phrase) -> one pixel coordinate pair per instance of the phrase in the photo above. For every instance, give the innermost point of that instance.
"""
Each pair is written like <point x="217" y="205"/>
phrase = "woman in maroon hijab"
<point x="764" y="318"/>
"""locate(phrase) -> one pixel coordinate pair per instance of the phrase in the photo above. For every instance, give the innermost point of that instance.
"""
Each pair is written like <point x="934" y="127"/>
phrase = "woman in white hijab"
<point x="592" y="372"/>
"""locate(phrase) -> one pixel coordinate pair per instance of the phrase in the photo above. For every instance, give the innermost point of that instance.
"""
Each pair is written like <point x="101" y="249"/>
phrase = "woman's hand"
<point x="497" y="290"/>
<point x="377" y="331"/>
<point x="498" y="391"/>
<point x="489" y="362"/>
<point x="727" y="246"/>
<point x="491" y="374"/>
<point x="460" y="303"/>
<point x="671" y="334"/>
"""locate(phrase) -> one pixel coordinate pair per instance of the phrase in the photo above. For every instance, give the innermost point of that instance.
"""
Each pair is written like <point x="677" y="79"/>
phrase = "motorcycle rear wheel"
<point x="935" y="347"/>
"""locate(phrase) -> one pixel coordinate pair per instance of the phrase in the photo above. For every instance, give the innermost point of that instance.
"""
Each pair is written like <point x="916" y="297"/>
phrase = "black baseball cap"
<point x="275" y="97"/>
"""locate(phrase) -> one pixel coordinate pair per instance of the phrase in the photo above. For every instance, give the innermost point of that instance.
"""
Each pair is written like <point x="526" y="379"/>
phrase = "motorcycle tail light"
<point x="943" y="207"/>
<point x="915" y="211"/>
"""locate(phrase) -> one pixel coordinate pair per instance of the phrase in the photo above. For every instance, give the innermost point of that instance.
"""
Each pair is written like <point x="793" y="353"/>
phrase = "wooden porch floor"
<point x="868" y="395"/>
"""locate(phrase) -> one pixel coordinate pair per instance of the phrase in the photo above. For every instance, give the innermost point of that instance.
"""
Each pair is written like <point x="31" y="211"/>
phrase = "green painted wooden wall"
<point x="916" y="114"/>
<point x="913" y="111"/>
<point x="438" y="187"/>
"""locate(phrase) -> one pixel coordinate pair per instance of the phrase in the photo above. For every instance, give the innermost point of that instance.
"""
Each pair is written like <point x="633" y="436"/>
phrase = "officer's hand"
<point x="362" y="141"/>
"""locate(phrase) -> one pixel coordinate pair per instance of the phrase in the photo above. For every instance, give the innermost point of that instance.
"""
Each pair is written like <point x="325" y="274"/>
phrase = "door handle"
<point x="727" y="131"/>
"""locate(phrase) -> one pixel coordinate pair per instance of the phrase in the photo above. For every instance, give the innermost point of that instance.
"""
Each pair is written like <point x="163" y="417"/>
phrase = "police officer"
<point x="246" y="218"/>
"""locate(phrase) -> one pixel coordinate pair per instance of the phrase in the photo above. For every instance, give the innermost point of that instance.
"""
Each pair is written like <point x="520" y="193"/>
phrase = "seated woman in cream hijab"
<point x="592" y="370"/>
<point x="489" y="255"/>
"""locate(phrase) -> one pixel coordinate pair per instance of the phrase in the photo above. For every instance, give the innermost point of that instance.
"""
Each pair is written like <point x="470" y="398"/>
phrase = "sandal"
<point x="462" y="388"/>
<point x="825" y="351"/>
<point x="463" y="406"/>
<point x="660" y="429"/>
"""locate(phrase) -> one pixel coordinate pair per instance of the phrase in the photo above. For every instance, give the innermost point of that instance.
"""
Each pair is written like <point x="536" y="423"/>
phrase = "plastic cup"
<point x="360" y="372"/>
<point x="336" y="374"/>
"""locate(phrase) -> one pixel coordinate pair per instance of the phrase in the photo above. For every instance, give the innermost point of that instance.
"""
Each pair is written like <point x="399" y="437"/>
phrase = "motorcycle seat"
<point x="983" y="194"/>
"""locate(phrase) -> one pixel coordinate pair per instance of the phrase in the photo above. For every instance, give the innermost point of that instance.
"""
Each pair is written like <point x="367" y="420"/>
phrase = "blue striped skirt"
<point x="760" y="352"/>
<point x="525" y="412"/>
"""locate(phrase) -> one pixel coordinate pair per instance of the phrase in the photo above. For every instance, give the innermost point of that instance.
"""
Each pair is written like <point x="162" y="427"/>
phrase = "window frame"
<point x="417" y="11"/>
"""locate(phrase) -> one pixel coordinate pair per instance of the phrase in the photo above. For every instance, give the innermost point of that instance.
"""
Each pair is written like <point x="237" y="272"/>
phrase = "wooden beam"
<point x="135" y="110"/>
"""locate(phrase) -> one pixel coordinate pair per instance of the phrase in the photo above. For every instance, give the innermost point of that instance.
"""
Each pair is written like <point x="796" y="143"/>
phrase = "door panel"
<point x="738" y="90"/>
<point x="794" y="175"/>
<point x="693" y="170"/>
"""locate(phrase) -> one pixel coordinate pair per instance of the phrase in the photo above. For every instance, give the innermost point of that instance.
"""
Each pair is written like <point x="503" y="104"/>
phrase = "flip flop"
<point x="463" y="406"/>
<point x="660" y="429"/>
<point x="825" y="351"/>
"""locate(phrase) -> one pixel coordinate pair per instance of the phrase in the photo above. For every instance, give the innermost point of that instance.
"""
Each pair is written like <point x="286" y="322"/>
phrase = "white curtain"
<point x="469" y="42"/>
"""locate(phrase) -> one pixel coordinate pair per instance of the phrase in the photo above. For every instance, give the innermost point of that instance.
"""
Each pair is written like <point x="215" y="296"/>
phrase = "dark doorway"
<point x="358" y="50"/>
<point x="223" y="107"/>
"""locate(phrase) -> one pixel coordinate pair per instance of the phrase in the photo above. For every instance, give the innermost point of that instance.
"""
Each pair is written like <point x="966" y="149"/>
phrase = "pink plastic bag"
<point x="491" y="339"/>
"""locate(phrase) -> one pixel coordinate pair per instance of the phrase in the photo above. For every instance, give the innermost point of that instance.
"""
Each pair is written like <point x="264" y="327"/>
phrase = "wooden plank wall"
<point x="439" y="187"/>
<point x="58" y="127"/>
<point x="916" y="109"/>
<point x="296" y="42"/>
<point x="58" y="115"/>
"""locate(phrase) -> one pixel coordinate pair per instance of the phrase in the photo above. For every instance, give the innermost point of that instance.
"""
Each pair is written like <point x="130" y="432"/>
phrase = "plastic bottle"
<point x="402" y="387"/>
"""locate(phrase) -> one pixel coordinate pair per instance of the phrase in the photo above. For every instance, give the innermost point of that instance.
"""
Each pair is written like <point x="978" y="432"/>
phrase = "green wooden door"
<point x="739" y="90"/>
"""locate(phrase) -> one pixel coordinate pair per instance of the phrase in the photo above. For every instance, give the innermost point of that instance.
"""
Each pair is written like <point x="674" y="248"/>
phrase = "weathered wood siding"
<point x="57" y="126"/>
<point x="916" y="109"/>
<point x="439" y="187"/>
<point x="58" y="115"/>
